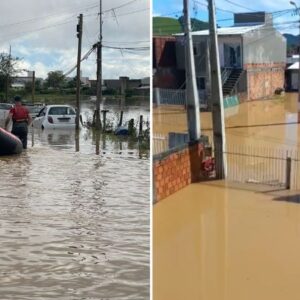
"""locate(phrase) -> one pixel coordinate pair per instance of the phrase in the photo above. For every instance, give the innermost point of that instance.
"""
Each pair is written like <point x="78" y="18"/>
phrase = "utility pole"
<point x="192" y="98"/>
<point x="33" y="87"/>
<point x="7" y="74"/>
<point x="97" y="120"/>
<point x="217" y="96"/>
<point x="298" y="13"/>
<point x="78" y="81"/>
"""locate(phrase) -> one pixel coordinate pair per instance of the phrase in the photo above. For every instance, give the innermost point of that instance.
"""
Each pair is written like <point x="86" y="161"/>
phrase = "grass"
<point x="166" y="26"/>
<point x="71" y="99"/>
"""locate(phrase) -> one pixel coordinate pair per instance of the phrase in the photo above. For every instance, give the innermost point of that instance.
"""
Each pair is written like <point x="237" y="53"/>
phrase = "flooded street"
<point x="270" y="123"/>
<point x="75" y="224"/>
<point x="218" y="243"/>
<point x="221" y="240"/>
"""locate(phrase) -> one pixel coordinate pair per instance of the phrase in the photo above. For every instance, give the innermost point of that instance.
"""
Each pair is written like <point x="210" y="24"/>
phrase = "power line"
<point x="47" y="16"/>
<point x="120" y="6"/>
<point x="82" y="59"/>
<point x="146" y="48"/>
<point x="17" y="34"/>
<point x="120" y="15"/>
<point x="239" y="5"/>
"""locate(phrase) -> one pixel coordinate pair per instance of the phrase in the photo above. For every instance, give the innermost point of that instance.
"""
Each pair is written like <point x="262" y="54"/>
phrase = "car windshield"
<point x="5" y="106"/>
<point x="56" y="111"/>
<point x="34" y="109"/>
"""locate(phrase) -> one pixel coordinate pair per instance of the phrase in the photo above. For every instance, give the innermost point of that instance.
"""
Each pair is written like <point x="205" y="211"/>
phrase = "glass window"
<point x="57" y="111"/>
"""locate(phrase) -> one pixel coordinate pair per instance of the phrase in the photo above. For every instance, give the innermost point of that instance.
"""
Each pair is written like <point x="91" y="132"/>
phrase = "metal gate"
<point x="262" y="165"/>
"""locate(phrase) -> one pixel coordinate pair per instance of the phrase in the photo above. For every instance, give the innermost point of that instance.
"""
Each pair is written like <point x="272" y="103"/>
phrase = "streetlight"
<point x="297" y="12"/>
<point x="32" y="84"/>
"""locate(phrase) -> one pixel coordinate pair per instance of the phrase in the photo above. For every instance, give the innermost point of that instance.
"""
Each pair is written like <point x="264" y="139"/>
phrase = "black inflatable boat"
<point x="9" y="143"/>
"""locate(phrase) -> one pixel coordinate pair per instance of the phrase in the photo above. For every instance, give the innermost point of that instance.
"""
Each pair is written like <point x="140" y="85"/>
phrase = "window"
<point x="57" y="111"/>
<point x="42" y="112"/>
<point x="195" y="50"/>
<point x="201" y="83"/>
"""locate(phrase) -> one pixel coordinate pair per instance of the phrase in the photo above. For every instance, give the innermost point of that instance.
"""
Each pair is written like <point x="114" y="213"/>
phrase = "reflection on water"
<point x="215" y="243"/>
<point x="75" y="225"/>
<point x="270" y="123"/>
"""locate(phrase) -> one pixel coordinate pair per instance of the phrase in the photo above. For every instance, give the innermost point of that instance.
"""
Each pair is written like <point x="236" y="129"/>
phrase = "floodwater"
<point x="260" y="137"/>
<point x="218" y="243"/>
<point x="222" y="241"/>
<point x="269" y="123"/>
<point x="74" y="221"/>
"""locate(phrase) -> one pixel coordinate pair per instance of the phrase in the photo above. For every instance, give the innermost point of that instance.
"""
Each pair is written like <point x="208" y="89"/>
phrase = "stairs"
<point x="231" y="81"/>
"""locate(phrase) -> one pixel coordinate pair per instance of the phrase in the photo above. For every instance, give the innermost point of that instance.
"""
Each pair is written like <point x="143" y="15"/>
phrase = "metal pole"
<point x="297" y="12"/>
<point x="99" y="75"/>
<point x="298" y="57"/>
<point x="217" y="96"/>
<point x="8" y="74"/>
<point x="78" y="81"/>
<point x="141" y="126"/>
<point x="192" y="98"/>
<point x="288" y="173"/>
<point x="33" y="87"/>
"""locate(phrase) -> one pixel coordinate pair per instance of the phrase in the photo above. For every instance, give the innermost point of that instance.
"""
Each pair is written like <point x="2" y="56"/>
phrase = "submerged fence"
<point x="276" y="167"/>
<point x="176" y="97"/>
<point x="262" y="165"/>
<point x="160" y="143"/>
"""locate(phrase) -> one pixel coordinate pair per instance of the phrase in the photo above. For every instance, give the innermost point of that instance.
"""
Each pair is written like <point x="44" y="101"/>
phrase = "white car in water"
<point x="55" y="117"/>
<point x="4" y="111"/>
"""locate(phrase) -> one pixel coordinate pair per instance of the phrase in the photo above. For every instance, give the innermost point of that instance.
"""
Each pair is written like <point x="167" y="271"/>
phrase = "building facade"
<point x="252" y="57"/>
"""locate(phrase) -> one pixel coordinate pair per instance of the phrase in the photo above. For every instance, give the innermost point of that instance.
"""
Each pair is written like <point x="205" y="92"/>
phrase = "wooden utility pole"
<point x="192" y="98"/>
<point x="217" y="96"/>
<point x="97" y="120"/>
<point x="78" y="81"/>
<point x="33" y="87"/>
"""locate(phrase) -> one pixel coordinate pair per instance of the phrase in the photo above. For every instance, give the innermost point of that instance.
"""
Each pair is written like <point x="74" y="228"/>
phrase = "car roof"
<point x="59" y="105"/>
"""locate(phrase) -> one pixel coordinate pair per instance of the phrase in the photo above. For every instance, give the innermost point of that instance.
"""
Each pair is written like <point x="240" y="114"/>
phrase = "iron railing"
<point x="261" y="165"/>
<point x="176" y="97"/>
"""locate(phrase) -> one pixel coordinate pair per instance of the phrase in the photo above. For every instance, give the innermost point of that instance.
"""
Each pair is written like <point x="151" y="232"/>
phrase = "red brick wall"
<point x="264" y="79"/>
<point x="164" y="53"/>
<point x="177" y="170"/>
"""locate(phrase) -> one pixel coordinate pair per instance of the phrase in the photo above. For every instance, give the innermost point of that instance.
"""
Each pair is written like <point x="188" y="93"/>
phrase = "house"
<point x="252" y="57"/>
<point x="292" y="72"/>
<point x="18" y="86"/>
<point x="165" y="72"/>
<point x="122" y="84"/>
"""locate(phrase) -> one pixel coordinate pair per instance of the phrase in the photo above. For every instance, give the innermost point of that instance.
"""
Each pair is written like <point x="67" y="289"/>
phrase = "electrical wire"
<point x="239" y="5"/>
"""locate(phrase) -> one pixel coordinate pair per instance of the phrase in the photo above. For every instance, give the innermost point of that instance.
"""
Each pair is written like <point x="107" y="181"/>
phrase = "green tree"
<point x="55" y="79"/>
<point x="38" y="85"/>
<point x="8" y="69"/>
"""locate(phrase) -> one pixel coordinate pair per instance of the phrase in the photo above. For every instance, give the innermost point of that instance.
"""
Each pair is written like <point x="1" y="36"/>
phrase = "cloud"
<point x="43" y="33"/>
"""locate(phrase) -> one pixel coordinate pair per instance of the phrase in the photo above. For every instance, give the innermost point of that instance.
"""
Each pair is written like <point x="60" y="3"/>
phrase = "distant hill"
<point x="166" y="26"/>
<point x="169" y="26"/>
<point x="196" y="24"/>
<point x="292" y="42"/>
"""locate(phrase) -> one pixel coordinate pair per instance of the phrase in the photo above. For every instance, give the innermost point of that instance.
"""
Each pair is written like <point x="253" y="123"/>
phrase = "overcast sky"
<point x="225" y="10"/>
<point x="43" y="34"/>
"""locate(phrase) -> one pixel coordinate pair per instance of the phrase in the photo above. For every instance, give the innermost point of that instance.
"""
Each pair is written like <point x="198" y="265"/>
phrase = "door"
<point x="232" y="55"/>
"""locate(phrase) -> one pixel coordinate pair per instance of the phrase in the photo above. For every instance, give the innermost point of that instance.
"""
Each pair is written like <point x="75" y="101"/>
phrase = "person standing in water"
<point x="19" y="114"/>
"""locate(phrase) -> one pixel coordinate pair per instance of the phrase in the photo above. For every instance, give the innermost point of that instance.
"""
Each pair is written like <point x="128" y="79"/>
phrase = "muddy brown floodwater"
<point x="75" y="225"/>
<point x="218" y="243"/>
<point x="270" y="123"/>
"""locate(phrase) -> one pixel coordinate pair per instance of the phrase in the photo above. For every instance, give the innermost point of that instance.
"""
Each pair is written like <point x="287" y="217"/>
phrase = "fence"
<point x="262" y="165"/>
<point x="176" y="97"/>
<point x="160" y="143"/>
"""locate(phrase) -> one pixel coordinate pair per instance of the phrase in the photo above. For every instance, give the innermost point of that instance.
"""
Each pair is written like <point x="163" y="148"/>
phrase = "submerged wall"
<point x="176" y="169"/>
<point x="264" y="79"/>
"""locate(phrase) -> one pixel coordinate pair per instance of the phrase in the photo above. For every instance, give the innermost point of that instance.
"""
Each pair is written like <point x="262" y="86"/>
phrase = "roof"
<point x="234" y="30"/>
<point x="294" y="66"/>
